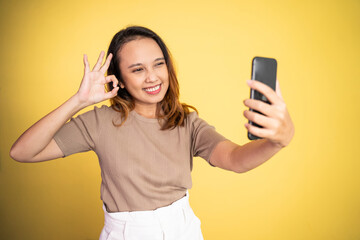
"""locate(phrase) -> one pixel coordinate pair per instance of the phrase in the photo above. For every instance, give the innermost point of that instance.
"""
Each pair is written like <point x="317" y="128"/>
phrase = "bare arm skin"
<point x="277" y="132"/>
<point x="37" y="144"/>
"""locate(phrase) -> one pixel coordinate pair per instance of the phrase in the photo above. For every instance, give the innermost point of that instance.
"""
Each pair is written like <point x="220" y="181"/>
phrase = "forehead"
<point x="139" y="50"/>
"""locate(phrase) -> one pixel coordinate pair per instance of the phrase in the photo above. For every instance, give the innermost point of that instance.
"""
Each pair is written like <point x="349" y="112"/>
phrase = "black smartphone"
<point x="263" y="70"/>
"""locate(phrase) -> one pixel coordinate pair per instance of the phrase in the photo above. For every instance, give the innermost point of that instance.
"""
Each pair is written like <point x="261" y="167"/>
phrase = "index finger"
<point x="267" y="91"/>
<point x="106" y="65"/>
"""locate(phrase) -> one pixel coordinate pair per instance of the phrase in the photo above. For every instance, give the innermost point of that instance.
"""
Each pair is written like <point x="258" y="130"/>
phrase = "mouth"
<point x="153" y="90"/>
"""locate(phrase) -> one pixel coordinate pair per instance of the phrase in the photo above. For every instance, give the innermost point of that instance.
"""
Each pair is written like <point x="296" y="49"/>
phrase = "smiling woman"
<point x="147" y="139"/>
<point x="143" y="59"/>
<point x="147" y="80"/>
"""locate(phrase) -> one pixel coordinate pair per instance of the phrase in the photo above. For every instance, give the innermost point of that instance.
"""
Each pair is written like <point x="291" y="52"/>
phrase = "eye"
<point x="137" y="70"/>
<point x="160" y="63"/>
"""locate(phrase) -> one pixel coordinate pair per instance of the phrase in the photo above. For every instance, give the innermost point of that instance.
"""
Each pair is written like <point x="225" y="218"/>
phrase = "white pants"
<point x="174" y="222"/>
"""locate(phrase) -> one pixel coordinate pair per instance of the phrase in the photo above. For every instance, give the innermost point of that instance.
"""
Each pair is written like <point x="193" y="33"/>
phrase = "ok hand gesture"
<point x="92" y="87"/>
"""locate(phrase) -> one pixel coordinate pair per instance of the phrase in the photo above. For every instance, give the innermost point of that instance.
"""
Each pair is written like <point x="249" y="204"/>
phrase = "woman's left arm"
<point x="277" y="133"/>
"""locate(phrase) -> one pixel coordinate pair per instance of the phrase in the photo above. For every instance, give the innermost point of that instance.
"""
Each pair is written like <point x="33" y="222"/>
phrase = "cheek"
<point x="132" y="82"/>
<point x="167" y="84"/>
<point x="165" y="75"/>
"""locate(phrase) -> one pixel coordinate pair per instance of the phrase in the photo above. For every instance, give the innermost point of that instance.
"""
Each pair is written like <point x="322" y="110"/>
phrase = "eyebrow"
<point x="139" y="64"/>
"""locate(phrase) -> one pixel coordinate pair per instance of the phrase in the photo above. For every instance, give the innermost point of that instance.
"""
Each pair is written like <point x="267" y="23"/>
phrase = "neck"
<point x="146" y="111"/>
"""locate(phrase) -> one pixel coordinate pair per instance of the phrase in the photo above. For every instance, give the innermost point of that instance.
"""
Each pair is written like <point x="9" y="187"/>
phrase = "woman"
<point x="146" y="140"/>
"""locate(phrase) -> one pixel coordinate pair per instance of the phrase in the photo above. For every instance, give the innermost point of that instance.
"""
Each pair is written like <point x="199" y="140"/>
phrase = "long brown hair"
<point x="169" y="109"/>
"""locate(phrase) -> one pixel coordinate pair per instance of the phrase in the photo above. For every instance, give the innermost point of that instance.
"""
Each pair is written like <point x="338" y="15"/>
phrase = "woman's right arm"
<point x="37" y="144"/>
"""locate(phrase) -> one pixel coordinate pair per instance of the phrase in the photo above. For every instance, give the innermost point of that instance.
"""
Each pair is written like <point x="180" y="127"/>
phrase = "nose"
<point x="151" y="76"/>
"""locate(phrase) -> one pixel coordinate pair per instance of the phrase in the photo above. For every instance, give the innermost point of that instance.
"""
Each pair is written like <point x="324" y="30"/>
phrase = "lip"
<point x="154" y="92"/>
<point x="152" y="86"/>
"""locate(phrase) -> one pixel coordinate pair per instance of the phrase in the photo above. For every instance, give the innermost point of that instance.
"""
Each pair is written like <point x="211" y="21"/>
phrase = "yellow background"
<point x="310" y="190"/>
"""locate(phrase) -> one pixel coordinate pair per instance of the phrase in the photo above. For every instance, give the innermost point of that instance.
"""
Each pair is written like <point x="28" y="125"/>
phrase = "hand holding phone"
<point x="268" y="115"/>
<point x="263" y="70"/>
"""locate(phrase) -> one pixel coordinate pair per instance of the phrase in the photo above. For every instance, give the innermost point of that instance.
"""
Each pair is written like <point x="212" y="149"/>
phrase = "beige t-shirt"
<point x="142" y="167"/>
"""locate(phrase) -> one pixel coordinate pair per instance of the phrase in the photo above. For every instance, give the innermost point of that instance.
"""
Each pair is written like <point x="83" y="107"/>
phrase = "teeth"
<point x="152" y="89"/>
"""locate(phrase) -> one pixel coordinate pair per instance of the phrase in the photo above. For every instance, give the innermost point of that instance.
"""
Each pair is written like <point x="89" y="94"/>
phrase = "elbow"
<point x="241" y="167"/>
<point x="16" y="155"/>
<point x="241" y="170"/>
<point x="237" y="165"/>
<point x="13" y="156"/>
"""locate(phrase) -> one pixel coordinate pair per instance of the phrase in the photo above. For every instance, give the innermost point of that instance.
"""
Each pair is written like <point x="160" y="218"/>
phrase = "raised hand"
<point x="276" y="122"/>
<point x="92" y="87"/>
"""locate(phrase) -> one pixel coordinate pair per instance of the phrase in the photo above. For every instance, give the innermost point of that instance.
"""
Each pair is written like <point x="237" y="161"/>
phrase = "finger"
<point x="86" y="64"/>
<point x="106" y="65"/>
<point x="259" y="106"/>
<point x="267" y="91"/>
<point x="258" y="118"/>
<point x="112" y="78"/>
<point x="278" y="91"/>
<point x="111" y="93"/>
<point x="99" y="61"/>
<point x="260" y="132"/>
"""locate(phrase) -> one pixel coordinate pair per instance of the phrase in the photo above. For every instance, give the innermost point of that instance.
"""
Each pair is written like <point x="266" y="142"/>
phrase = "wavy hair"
<point x="169" y="109"/>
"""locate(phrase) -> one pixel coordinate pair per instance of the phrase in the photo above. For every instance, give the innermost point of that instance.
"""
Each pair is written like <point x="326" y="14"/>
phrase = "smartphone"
<point x="263" y="70"/>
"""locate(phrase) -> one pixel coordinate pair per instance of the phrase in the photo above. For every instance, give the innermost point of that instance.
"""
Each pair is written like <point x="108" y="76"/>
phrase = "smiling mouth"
<point x="153" y="90"/>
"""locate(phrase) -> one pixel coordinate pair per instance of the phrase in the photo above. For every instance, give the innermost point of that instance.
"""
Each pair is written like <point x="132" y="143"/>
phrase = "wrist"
<point x="78" y="103"/>
<point x="277" y="146"/>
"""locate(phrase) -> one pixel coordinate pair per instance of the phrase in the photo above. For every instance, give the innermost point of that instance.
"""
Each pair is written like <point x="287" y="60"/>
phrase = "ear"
<point x="121" y="85"/>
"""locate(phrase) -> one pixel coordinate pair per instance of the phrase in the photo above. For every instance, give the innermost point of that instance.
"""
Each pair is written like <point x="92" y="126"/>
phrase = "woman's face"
<point x="144" y="71"/>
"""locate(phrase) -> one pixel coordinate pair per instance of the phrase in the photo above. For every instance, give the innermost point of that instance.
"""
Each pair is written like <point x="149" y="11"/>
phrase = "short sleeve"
<point x="204" y="138"/>
<point x="80" y="134"/>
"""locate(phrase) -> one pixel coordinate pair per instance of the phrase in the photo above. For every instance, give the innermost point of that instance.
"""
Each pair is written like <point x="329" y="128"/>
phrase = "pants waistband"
<point x="148" y="215"/>
<point x="175" y="221"/>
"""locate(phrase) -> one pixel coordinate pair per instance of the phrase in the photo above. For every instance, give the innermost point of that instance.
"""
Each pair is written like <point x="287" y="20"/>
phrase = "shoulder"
<point x="192" y="116"/>
<point x="98" y="113"/>
<point x="194" y="119"/>
<point x="99" y="110"/>
<point x="103" y="109"/>
<point x="196" y="124"/>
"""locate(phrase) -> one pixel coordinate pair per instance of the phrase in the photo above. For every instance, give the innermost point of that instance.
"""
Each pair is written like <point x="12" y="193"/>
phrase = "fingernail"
<point x="249" y="82"/>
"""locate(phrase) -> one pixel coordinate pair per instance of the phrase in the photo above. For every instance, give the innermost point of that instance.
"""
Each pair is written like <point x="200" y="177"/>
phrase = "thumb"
<point x="112" y="93"/>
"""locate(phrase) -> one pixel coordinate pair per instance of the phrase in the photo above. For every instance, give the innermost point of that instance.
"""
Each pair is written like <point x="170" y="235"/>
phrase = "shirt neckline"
<point x="142" y="118"/>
